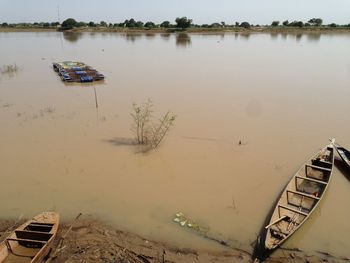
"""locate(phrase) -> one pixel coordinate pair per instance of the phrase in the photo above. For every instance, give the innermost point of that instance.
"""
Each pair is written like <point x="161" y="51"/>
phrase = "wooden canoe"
<point x="300" y="197"/>
<point x="343" y="153"/>
<point x="32" y="241"/>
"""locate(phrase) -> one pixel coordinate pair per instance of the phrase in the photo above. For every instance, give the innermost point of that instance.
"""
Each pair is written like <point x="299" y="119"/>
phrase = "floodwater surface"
<point x="282" y="95"/>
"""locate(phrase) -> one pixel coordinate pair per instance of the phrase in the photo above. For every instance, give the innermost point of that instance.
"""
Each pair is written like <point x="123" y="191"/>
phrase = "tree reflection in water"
<point x="72" y="36"/>
<point x="183" y="40"/>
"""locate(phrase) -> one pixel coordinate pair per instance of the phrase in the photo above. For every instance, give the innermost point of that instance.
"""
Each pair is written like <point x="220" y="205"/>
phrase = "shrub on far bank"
<point x="69" y="23"/>
<point x="285" y="23"/>
<point x="165" y="24"/>
<point x="296" y="24"/>
<point x="245" y="25"/>
<point x="183" y="22"/>
<point x="150" y="25"/>
<point x="275" y="23"/>
<point x="315" y="21"/>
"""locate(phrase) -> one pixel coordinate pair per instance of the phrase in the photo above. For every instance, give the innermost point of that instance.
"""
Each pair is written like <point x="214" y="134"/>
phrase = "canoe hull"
<point x="32" y="241"/>
<point x="300" y="197"/>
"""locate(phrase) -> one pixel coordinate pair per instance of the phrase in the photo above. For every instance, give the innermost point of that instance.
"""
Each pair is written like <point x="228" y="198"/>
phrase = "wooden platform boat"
<point x="70" y="71"/>
<point x="32" y="241"/>
<point x="300" y="197"/>
<point x="343" y="153"/>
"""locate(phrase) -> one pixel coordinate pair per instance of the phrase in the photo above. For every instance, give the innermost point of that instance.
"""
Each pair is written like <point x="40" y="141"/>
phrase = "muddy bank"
<point x="91" y="240"/>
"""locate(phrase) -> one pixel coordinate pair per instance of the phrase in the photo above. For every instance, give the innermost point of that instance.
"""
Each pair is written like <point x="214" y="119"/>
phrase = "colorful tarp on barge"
<point x="70" y="71"/>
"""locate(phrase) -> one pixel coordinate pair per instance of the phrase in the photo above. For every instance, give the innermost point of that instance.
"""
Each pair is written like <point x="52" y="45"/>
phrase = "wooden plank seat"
<point x="26" y="240"/>
<point x="304" y="194"/>
<point x="38" y="227"/>
<point x="311" y="180"/>
<point x="33" y="235"/>
<point x="41" y="224"/>
<point x="322" y="163"/>
<point x="293" y="210"/>
<point x="316" y="167"/>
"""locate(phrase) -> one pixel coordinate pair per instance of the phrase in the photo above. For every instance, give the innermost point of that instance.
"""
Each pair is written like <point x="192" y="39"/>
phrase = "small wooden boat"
<point x="343" y="153"/>
<point x="300" y="197"/>
<point x="32" y="241"/>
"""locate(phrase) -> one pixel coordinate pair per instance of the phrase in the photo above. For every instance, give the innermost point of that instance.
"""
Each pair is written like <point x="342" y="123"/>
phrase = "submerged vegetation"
<point x="148" y="132"/>
<point x="9" y="69"/>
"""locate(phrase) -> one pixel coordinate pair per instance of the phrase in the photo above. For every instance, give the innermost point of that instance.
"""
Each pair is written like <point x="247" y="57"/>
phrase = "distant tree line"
<point x="313" y="22"/>
<point x="180" y="23"/>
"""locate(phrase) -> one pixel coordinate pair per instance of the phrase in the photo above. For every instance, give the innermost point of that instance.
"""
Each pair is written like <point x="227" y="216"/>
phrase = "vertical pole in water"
<point x="95" y="97"/>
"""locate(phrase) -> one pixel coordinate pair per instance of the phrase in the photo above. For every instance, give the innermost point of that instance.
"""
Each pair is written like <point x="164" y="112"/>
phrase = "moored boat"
<point x="300" y="197"/>
<point x="70" y="71"/>
<point x="32" y="241"/>
<point x="343" y="153"/>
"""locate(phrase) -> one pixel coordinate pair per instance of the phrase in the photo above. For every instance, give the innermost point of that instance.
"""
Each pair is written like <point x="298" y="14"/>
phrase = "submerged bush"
<point x="148" y="132"/>
<point x="9" y="69"/>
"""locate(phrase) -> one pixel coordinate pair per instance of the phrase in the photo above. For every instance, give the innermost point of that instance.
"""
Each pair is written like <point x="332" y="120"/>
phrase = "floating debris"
<point x="184" y="221"/>
<point x="76" y="72"/>
<point x="203" y="230"/>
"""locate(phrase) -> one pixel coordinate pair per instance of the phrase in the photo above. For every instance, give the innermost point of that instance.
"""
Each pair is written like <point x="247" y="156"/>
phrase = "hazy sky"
<point x="201" y="11"/>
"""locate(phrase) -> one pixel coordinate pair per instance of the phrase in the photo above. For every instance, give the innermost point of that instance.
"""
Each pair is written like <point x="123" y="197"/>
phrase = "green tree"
<point x="296" y="24"/>
<point x="139" y="24"/>
<point x="54" y="24"/>
<point x="103" y="24"/>
<point x="215" y="25"/>
<point x="81" y="24"/>
<point x="315" y="21"/>
<point x="69" y="23"/>
<point x="4" y="24"/>
<point x="150" y="25"/>
<point x="130" y="23"/>
<point x="91" y="24"/>
<point x="165" y="24"/>
<point x="183" y="22"/>
<point x="245" y="25"/>
<point x="285" y="23"/>
<point x="275" y="23"/>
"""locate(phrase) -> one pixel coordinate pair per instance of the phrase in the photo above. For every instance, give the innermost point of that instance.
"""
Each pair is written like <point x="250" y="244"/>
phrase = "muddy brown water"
<point x="281" y="95"/>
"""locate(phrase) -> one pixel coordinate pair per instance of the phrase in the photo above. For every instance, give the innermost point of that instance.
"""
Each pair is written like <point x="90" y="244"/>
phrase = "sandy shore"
<point x="91" y="240"/>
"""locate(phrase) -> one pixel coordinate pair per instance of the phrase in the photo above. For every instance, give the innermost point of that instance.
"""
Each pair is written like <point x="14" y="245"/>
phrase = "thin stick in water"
<point x="95" y="97"/>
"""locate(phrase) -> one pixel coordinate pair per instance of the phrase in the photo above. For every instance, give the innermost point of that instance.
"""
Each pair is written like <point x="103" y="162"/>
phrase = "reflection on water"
<point x="165" y="36"/>
<point x="132" y="37"/>
<point x="245" y="36"/>
<point x="313" y="37"/>
<point x="58" y="151"/>
<point x="72" y="36"/>
<point x="298" y="37"/>
<point x="274" y="35"/>
<point x="150" y="35"/>
<point x="183" y="40"/>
